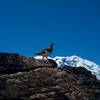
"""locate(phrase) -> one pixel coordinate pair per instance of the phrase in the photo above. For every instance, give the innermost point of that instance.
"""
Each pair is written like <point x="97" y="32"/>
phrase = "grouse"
<point x="46" y="52"/>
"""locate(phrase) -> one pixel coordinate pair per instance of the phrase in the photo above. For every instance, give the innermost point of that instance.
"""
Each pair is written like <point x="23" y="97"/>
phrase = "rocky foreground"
<point x="23" y="78"/>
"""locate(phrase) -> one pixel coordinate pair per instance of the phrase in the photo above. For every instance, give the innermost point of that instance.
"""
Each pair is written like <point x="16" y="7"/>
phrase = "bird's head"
<point x="52" y="44"/>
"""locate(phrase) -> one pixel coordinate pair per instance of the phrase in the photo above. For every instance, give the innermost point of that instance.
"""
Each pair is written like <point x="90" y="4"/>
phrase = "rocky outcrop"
<point x="42" y="80"/>
<point x="12" y="63"/>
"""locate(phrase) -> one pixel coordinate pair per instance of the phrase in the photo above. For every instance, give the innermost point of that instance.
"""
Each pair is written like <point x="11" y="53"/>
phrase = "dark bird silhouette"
<point x="46" y="52"/>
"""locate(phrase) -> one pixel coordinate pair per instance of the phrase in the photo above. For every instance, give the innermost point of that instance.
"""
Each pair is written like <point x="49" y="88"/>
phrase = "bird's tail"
<point x="38" y="53"/>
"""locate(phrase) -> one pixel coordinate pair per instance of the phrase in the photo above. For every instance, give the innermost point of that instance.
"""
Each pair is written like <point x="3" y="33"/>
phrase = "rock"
<point x="12" y="63"/>
<point x="42" y="80"/>
<point x="36" y="63"/>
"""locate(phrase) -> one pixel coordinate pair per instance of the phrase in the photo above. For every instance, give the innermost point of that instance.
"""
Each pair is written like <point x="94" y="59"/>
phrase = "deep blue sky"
<point x="27" y="26"/>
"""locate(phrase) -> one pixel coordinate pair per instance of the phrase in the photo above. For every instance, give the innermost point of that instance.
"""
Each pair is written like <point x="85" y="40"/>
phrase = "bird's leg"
<point x="46" y="57"/>
<point x="43" y="58"/>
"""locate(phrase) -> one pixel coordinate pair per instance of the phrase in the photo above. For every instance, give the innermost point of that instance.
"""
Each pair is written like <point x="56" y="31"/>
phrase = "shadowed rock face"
<point x="24" y="78"/>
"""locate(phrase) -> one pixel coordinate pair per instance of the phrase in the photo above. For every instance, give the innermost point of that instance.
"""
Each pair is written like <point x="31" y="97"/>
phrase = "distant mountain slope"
<point x="75" y="61"/>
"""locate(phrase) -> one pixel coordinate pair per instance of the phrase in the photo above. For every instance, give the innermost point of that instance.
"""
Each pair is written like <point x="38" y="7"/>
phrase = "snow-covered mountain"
<point x="75" y="61"/>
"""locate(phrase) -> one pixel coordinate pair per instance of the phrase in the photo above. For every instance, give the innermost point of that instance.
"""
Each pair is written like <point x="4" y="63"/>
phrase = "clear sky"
<point x="27" y="26"/>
